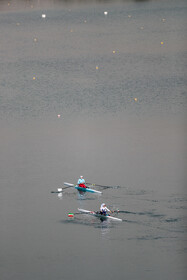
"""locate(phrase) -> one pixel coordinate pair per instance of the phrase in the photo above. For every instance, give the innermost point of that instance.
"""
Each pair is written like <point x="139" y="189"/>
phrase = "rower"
<point x="104" y="209"/>
<point x="81" y="182"/>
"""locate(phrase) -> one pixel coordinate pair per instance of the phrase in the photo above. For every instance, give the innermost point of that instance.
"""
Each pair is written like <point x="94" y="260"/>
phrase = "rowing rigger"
<point x="96" y="214"/>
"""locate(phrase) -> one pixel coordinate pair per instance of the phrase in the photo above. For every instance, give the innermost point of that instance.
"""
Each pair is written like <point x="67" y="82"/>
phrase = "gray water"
<point x="118" y="84"/>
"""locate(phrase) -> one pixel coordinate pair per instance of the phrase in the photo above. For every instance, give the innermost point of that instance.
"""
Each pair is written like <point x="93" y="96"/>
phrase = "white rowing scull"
<point x="99" y="215"/>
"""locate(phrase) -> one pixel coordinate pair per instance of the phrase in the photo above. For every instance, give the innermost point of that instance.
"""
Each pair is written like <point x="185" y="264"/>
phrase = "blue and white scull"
<point x="82" y="189"/>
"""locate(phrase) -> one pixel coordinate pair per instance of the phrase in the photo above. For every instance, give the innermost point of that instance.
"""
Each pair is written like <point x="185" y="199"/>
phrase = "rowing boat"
<point x="97" y="214"/>
<point x="87" y="190"/>
<point x="82" y="189"/>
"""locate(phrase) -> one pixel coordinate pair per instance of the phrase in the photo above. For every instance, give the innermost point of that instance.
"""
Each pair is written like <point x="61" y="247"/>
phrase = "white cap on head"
<point x="103" y="204"/>
<point x="81" y="176"/>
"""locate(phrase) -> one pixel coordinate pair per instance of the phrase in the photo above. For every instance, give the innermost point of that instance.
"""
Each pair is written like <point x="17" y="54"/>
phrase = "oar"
<point x="59" y="190"/>
<point x="124" y="211"/>
<point x="102" y="186"/>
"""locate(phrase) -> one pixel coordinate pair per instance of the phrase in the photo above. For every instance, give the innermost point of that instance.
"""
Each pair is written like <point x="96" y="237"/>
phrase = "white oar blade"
<point x="68" y="184"/>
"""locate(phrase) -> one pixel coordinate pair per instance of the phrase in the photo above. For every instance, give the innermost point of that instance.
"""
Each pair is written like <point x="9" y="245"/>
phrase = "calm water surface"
<point x="118" y="84"/>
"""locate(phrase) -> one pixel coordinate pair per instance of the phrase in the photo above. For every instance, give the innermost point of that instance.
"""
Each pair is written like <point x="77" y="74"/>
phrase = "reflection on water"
<point x="105" y="228"/>
<point x="103" y="225"/>
<point x="60" y="195"/>
<point x="84" y="196"/>
<point x="86" y="220"/>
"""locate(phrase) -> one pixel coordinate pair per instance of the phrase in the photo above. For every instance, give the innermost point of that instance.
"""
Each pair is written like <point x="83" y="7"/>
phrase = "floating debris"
<point x="135" y="99"/>
<point x="35" y="40"/>
<point x="59" y="116"/>
<point x="105" y="13"/>
<point x="129" y="16"/>
<point x="114" y="51"/>
<point x="96" y="67"/>
<point x="163" y="20"/>
<point x="34" y="78"/>
<point x="141" y="27"/>
<point x="43" y="15"/>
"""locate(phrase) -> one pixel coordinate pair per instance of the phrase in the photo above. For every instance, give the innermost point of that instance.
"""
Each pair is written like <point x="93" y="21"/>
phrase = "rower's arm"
<point x="108" y="210"/>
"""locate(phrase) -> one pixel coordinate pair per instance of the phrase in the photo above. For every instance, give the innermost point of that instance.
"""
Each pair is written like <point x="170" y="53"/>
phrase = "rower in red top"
<point x="81" y="182"/>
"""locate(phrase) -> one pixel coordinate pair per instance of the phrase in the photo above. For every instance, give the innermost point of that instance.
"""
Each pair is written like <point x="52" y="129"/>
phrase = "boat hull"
<point x="81" y="189"/>
<point x="87" y="190"/>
